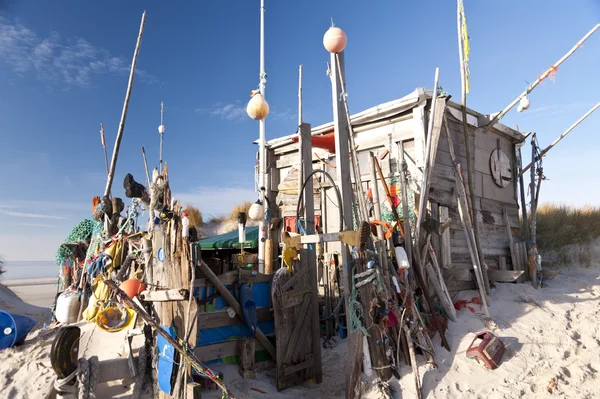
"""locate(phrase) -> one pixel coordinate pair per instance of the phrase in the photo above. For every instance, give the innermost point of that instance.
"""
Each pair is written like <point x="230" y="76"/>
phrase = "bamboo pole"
<point x="471" y="187"/>
<point x="562" y="136"/>
<point x="553" y="68"/>
<point x="186" y="353"/>
<point x="146" y="167"/>
<point x="115" y="154"/>
<point x="104" y="147"/>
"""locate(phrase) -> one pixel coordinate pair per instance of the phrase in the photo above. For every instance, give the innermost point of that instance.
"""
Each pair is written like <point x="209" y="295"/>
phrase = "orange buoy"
<point x="335" y="40"/>
<point x="132" y="287"/>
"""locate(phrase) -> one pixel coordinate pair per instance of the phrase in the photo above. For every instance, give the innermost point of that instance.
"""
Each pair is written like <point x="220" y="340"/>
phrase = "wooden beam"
<point x="165" y="295"/>
<point x="341" y="129"/>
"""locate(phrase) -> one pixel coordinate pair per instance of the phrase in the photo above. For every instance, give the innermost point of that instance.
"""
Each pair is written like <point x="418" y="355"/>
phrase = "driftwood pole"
<point x="104" y="147"/>
<point x="471" y="187"/>
<point x="146" y="167"/>
<point x="553" y="68"/>
<point x="562" y="136"/>
<point x="341" y="129"/>
<point x="522" y="192"/>
<point x="405" y="212"/>
<point x="115" y="154"/>
<point x="355" y="164"/>
<point x="533" y="248"/>
<point x="426" y="167"/>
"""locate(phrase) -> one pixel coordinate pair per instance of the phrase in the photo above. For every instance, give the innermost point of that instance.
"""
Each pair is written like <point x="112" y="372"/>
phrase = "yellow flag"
<point x="464" y="34"/>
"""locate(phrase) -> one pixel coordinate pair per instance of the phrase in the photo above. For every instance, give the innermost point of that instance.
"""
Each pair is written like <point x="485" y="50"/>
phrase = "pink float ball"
<point x="334" y="40"/>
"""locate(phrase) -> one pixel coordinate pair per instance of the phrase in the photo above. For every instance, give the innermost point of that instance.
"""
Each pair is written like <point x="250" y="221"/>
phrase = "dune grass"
<point x="569" y="234"/>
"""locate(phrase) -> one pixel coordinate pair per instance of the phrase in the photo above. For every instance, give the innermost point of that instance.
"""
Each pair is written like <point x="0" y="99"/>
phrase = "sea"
<point x="29" y="269"/>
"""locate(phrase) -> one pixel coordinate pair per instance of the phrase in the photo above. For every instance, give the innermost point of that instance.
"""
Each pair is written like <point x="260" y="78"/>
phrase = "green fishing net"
<point x="82" y="232"/>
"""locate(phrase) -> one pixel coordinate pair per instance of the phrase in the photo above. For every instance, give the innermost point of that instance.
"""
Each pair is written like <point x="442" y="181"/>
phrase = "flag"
<point x="464" y="35"/>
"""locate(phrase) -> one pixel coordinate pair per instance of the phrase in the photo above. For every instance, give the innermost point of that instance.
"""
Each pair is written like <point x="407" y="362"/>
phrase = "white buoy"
<point x="523" y="104"/>
<point x="256" y="211"/>
<point x="257" y="107"/>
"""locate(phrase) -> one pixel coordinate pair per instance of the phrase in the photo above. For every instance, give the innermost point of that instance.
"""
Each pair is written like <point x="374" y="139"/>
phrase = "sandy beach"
<point x="37" y="291"/>
<point x="551" y="333"/>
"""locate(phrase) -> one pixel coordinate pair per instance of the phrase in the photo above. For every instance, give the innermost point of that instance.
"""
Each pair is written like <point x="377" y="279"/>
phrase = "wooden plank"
<point x="510" y="236"/>
<point x="234" y="305"/>
<point x="165" y="295"/>
<point x="294" y="297"/>
<point x="505" y="276"/>
<point x="445" y="248"/>
<point x="502" y="263"/>
<point x="292" y="341"/>
<point x="440" y="289"/>
<point x="294" y="280"/>
<point x="220" y="318"/>
<point x="206" y="353"/>
<point x="458" y="274"/>
<point x="309" y="362"/>
<point x="232" y="276"/>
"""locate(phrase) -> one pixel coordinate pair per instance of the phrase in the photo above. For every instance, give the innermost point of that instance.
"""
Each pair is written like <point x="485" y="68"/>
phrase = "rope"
<point x="88" y="373"/>
<point x="86" y="376"/>
<point x="141" y="373"/>
<point x="83" y="376"/>
<point x="65" y="386"/>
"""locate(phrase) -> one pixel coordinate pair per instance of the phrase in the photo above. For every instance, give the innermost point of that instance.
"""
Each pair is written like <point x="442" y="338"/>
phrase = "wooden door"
<point x="296" y="315"/>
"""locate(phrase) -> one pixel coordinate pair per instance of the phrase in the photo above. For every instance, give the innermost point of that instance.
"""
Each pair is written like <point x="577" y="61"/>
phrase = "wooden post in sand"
<point x="115" y="154"/>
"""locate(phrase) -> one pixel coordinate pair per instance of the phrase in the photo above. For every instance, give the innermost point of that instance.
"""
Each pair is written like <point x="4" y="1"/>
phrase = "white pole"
<point x="562" y="136"/>
<point x="261" y="164"/>
<point x="553" y="68"/>
<point x="300" y="95"/>
<point x="161" y="132"/>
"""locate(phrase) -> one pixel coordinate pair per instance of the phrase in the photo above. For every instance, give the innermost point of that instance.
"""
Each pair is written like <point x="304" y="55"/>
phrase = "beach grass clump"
<point x="571" y="234"/>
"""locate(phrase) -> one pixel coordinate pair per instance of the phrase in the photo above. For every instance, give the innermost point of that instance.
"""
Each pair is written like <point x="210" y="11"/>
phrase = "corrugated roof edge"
<point x="397" y="106"/>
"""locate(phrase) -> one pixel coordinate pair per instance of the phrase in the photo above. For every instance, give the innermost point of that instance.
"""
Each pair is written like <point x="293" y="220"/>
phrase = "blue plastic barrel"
<point x="14" y="329"/>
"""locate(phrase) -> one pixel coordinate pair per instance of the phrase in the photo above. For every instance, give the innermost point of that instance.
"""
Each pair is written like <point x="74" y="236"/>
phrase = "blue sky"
<point x="64" y="68"/>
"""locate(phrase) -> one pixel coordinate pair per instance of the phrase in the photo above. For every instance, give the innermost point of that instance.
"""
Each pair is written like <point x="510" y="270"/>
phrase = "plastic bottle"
<point x="185" y="223"/>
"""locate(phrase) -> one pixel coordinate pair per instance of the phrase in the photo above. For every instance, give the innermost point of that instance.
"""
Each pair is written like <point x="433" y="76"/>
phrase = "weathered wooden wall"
<point x="409" y="128"/>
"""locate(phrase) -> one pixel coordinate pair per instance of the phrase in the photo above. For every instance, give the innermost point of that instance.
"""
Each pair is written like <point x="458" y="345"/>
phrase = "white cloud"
<point x="215" y="201"/>
<point x="29" y="215"/>
<point x="286" y="115"/>
<point x="49" y="226"/>
<point x="46" y="206"/>
<point x="556" y="108"/>
<point x="236" y="112"/>
<point x="56" y="60"/>
<point x="230" y="112"/>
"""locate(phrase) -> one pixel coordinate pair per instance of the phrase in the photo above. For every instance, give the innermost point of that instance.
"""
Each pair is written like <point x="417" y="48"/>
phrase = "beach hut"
<point x="397" y="130"/>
